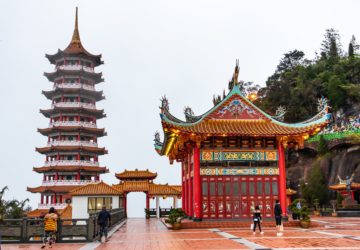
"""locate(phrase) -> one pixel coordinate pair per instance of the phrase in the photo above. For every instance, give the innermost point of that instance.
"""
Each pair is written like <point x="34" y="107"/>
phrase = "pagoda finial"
<point x="76" y="34"/>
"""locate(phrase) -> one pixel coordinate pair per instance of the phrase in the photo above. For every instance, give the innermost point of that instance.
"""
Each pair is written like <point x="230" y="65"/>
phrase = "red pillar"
<point x="42" y="199"/>
<point x="282" y="177"/>
<point x="183" y="187"/>
<point x="191" y="211"/>
<point x="47" y="199"/>
<point x="147" y="201"/>
<point x="197" y="185"/>
<point x="78" y="176"/>
<point x="54" y="199"/>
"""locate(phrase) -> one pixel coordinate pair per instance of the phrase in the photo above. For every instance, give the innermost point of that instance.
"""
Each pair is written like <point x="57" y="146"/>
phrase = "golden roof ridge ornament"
<point x="76" y="35"/>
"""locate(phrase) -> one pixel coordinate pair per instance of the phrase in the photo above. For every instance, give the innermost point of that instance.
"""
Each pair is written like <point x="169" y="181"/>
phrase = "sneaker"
<point x="279" y="234"/>
<point x="43" y="246"/>
<point x="261" y="232"/>
<point x="254" y="233"/>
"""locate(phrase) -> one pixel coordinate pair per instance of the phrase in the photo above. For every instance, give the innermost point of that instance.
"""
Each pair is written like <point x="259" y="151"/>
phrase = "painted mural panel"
<point x="240" y="171"/>
<point x="208" y="155"/>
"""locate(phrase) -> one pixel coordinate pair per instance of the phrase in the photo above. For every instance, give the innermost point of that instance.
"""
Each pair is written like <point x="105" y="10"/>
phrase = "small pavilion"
<point x="142" y="181"/>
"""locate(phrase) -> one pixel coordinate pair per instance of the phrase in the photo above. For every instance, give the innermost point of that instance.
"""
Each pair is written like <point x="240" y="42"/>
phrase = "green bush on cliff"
<point x="315" y="187"/>
<point x="322" y="146"/>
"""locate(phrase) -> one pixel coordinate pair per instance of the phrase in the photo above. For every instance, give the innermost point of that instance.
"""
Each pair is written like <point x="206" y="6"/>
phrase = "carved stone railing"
<point x="67" y="182"/>
<point x="75" y="67"/>
<point x="73" y="124"/>
<point x="71" y="163"/>
<point x="69" y="85"/>
<point x="72" y="143"/>
<point x="69" y="230"/>
<point x="74" y="105"/>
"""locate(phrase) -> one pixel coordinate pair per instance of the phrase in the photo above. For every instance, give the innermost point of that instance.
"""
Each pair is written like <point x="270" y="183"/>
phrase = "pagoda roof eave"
<point x="91" y="189"/>
<point x="99" y="113"/>
<point x="98" y="95"/>
<point x="97" y="77"/>
<point x="44" y="189"/>
<point x="96" y="59"/>
<point x="46" y="131"/>
<point x="102" y="170"/>
<point x="46" y="150"/>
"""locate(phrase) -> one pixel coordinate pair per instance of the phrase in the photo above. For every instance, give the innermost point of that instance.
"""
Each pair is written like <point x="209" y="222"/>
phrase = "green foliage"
<point x="315" y="188"/>
<point x="13" y="209"/>
<point x="304" y="211"/>
<point x="298" y="83"/>
<point x="322" y="146"/>
<point x="175" y="215"/>
<point x="339" y="199"/>
<point x="335" y="135"/>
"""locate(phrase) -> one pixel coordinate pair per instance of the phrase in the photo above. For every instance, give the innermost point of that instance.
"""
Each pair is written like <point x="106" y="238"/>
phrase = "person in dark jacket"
<point x="278" y="217"/>
<point x="257" y="219"/>
<point x="104" y="221"/>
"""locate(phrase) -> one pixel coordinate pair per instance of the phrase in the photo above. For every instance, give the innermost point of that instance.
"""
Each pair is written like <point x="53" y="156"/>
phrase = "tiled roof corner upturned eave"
<point x="291" y="129"/>
<point x="91" y="189"/>
<point x="236" y="91"/>
<point x="65" y="213"/>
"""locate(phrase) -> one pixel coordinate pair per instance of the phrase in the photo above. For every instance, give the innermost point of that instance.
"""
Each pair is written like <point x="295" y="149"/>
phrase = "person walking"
<point x="50" y="228"/>
<point x="278" y="218"/>
<point x="104" y="221"/>
<point x="257" y="219"/>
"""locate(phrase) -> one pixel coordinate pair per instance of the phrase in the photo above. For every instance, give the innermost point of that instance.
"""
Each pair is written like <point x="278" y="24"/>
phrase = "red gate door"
<point x="260" y="194"/>
<point x="267" y="197"/>
<point x="252" y="195"/>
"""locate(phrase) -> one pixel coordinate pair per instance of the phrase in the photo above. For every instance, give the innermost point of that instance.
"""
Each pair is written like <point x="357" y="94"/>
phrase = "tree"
<point x="353" y="47"/>
<point x="316" y="187"/>
<point x="13" y="209"/>
<point x="331" y="45"/>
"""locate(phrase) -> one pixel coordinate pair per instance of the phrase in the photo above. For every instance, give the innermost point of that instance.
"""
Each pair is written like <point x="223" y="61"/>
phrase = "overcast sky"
<point x="184" y="49"/>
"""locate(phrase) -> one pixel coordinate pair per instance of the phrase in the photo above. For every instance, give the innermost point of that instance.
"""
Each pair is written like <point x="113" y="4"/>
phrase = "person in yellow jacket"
<point x="50" y="227"/>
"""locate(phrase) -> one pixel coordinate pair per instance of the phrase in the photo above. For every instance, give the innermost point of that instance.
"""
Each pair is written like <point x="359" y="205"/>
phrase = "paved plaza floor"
<point x="335" y="233"/>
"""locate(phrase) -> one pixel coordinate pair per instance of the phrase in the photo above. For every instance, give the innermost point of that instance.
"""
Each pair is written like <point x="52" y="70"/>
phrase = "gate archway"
<point x="142" y="181"/>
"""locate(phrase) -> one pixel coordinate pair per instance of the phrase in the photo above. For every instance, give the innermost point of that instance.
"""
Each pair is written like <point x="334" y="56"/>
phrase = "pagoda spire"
<point x="76" y="35"/>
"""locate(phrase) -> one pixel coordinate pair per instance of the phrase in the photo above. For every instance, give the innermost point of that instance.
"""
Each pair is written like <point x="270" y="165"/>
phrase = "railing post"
<point x="24" y="230"/>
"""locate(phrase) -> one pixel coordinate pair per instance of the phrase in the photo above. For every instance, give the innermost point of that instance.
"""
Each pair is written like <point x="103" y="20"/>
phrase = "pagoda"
<point x="233" y="156"/>
<point x="72" y="151"/>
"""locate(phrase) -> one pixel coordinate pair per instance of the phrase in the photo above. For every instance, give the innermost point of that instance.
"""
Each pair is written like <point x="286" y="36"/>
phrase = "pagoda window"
<point x="251" y="188"/>
<point x="69" y="177"/>
<point x="82" y="158"/>
<point x="70" y="138"/>
<point x="69" y="157"/>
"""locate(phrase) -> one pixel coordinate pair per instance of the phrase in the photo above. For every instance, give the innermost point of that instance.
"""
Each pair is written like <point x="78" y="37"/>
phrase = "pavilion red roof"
<point x="49" y="149"/>
<point x="47" y="131"/>
<point x="136" y="174"/>
<point x="53" y="189"/>
<point x="100" y="188"/>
